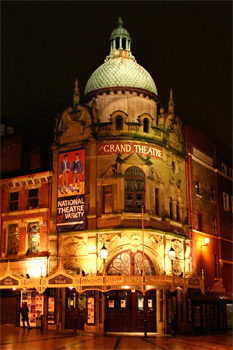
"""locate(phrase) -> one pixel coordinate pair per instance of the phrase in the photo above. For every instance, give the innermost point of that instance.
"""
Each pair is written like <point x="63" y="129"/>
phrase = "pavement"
<point x="17" y="338"/>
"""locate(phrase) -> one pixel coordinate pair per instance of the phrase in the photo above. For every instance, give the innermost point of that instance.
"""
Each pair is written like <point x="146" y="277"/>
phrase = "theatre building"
<point x="120" y="252"/>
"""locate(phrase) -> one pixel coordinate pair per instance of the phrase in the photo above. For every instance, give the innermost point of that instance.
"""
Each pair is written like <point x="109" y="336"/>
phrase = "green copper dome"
<point x="120" y="68"/>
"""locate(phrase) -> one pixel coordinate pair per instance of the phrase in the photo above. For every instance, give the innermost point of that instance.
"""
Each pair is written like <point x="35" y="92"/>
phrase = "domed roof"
<point x="120" y="72"/>
<point x="120" y="68"/>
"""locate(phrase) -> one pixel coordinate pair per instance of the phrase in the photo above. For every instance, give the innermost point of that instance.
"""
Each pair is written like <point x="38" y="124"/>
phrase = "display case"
<point x="35" y="303"/>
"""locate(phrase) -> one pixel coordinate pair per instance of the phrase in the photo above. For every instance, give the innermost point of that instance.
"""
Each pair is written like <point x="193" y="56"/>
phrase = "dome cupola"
<point x="120" y="69"/>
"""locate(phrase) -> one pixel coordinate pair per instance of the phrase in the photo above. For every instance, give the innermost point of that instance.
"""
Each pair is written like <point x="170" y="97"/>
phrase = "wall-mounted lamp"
<point x="206" y="242"/>
<point x="104" y="255"/>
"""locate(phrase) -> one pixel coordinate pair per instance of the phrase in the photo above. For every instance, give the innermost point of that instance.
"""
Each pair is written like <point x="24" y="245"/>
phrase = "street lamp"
<point x="172" y="254"/>
<point x="207" y="241"/>
<point x="104" y="255"/>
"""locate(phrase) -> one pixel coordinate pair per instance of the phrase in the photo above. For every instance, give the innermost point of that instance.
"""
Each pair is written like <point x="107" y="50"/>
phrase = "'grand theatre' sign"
<point x="129" y="148"/>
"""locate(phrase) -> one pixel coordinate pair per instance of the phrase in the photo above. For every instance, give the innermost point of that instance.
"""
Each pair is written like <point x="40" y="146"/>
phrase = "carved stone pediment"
<point x="73" y="245"/>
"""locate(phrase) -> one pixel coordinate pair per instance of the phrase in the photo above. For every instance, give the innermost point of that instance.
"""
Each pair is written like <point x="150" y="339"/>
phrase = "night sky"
<point x="184" y="45"/>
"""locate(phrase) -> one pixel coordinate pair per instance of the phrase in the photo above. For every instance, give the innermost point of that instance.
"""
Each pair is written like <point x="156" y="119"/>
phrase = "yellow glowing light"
<point x="14" y="288"/>
<point x="70" y="288"/>
<point x="207" y="240"/>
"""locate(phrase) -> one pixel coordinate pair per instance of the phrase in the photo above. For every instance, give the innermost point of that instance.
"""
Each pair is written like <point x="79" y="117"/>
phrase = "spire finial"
<point x="171" y="103"/>
<point x="76" y="94"/>
<point x="119" y="22"/>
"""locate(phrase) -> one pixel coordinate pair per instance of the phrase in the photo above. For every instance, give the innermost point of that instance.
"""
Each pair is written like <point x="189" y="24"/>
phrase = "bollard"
<point x="145" y="328"/>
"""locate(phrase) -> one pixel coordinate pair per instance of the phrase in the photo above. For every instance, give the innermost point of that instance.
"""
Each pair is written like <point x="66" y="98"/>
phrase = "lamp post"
<point x="172" y="255"/>
<point x="104" y="255"/>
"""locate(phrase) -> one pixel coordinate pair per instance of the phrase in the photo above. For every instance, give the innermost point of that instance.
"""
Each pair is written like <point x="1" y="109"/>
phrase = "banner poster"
<point x="71" y="190"/>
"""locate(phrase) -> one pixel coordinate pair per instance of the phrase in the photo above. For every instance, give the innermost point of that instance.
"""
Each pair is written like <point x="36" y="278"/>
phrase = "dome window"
<point x="145" y="125"/>
<point x="119" y="122"/>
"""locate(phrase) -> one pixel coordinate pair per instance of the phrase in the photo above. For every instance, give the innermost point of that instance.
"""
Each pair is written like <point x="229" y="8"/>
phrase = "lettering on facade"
<point x="128" y="148"/>
<point x="8" y="281"/>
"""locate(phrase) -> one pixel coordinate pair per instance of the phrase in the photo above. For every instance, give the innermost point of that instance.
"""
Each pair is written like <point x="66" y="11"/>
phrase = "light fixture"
<point x="104" y="255"/>
<point x="70" y="288"/>
<point x="14" y="288"/>
<point x="207" y="241"/>
<point x="172" y="254"/>
<point x="104" y="252"/>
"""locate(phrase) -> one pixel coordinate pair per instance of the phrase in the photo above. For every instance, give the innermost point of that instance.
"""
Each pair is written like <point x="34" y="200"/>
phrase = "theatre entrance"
<point x="129" y="311"/>
<point x="75" y="309"/>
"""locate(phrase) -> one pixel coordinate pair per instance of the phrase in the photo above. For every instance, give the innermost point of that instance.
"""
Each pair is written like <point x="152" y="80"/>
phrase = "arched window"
<point x="124" y="43"/>
<point x="130" y="263"/>
<point x="119" y="122"/>
<point x="177" y="211"/>
<point x="134" y="190"/>
<point x="171" y="208"/>
<point x="145" y="125"/>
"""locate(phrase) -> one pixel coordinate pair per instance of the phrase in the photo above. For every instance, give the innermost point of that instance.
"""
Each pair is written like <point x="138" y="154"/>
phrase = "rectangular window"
<point x="34" y="237"/>
<point x="33" y="198"/>
<point x="13" y="239"/>
<point x="225" y="201"/>
<point x="14" y="199"/>
<point x="230" y="173"/>
<point x="199" y="219"/>
<point x="212" y="194"/>
<point x="107" y="194"/>
<point x="224" y="168"/>
<point x="198" y="188"/>
<point x="157" y="201"/>
<point x="214" y="228"/>
<point x="215" y="267"/>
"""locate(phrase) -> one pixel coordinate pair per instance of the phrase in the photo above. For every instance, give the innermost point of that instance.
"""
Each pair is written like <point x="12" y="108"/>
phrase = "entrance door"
<point x="128" y="311"/>
<point x="75" y="309"/>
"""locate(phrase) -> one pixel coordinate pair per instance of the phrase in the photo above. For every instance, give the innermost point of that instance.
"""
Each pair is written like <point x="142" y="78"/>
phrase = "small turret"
<point x="171" y="104"/>
<point x="76" y="95"/>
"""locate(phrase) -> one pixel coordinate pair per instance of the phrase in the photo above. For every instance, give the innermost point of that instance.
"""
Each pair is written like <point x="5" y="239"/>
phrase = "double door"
<point x="129" y="311"/>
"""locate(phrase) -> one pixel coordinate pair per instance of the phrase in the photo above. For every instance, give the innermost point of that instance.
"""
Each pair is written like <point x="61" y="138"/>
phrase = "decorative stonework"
<point x="74" y="245"/>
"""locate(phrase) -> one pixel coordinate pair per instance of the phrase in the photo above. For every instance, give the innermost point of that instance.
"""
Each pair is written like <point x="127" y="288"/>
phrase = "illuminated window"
<point x="145" y="125"/>
<point x="14" y="198"/>
<point x="134" y="190"/>
<point x="107" y="196"/>
<point x="13" y="239"/>
<point x="225" y="201"/>
<point x="130" y="263"/>
<point x="34" y="237"/>
<point x="119" y="122"/>
<point x="33" y="198"/>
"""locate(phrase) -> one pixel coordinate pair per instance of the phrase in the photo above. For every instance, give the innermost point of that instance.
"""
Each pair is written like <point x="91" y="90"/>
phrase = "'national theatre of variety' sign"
<point x="71" y="190"/>
<point x="129" y="148"/>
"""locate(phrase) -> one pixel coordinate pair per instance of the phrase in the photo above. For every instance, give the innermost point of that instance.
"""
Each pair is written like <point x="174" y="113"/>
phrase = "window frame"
<point x="32" y="199"/>
<point x="13" y="201"/>
<point x="226" y="201"/>
<point x="9" y="235"/>
<point x="32" y="233"/>
<point x="105" y="193"/>
<point x="134" y="190"/>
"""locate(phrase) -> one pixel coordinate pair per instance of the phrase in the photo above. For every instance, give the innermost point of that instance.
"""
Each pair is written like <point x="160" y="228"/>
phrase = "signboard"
<point x="71" y="190"/>
<point x="129" y="148"/>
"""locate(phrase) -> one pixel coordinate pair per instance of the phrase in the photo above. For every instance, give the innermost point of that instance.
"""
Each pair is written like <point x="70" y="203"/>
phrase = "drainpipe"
<point x="218" y="217"/>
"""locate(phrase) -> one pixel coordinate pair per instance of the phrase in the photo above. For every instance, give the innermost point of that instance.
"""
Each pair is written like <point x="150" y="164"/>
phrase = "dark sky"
<point x="185" y="45"/>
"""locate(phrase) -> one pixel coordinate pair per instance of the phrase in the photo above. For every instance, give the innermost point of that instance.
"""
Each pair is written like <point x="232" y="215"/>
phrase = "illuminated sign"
<point x="129" y="148"/>
<point x="60" y="279"/>
<point x="71" y="190"/>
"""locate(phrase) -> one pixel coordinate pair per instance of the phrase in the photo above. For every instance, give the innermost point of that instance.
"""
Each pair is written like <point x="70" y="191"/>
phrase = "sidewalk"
<point x="17" y="338"/>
